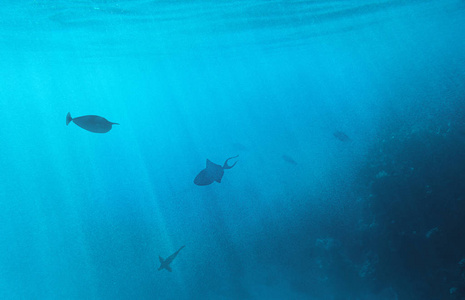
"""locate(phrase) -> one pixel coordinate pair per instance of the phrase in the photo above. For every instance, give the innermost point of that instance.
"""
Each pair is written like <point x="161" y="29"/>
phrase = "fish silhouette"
<point x="91" y="123"/>
<point x="165" y="263"/>
<point x="212" y="172"/>
<point x="289" y="159"/>
<point x="341" y="136"/>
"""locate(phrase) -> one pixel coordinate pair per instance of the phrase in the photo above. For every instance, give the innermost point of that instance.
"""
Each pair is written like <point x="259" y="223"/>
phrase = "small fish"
<point x="289" y="159"/>
<point x="165" y="263"/>
<point x="91" y="123"/>
<point x="213" y="172"/>
<point x="341" y="136"/>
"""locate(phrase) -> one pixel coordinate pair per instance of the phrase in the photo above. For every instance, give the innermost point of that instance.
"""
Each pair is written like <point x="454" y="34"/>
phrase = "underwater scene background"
<point x="347" y="116"/>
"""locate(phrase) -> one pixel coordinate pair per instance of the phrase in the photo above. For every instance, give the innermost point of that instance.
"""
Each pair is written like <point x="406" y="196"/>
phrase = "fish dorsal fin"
<point x="209" y="164"/>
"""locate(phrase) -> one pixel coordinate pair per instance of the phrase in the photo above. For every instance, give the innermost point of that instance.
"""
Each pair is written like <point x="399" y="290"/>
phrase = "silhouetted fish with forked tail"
<point x="165" y="263"/>
<point x="212" y="172"/>
<point x="91" y="123"/>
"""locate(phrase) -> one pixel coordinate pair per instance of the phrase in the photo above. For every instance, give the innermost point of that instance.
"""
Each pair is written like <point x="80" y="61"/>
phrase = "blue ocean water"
<point x="347" y="116"/>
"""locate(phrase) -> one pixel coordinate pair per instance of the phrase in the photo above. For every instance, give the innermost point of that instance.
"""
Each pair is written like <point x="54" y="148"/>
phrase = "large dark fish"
<point x="165" y="263"/>
<point x="212" y="172"/>
<point x="91" y="123"/>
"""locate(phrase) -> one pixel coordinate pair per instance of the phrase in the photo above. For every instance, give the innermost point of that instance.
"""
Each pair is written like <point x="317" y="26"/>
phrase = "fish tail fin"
<point x="68" y="118"/>
<point x="226" y="166"/>
<point x="161" y="262"/>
